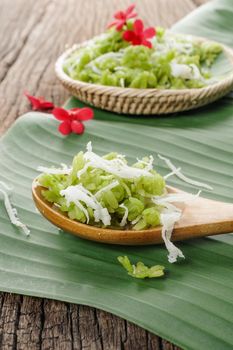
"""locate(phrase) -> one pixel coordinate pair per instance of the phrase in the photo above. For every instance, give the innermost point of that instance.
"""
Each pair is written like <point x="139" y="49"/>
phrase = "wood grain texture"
<point x="33" y="34"/>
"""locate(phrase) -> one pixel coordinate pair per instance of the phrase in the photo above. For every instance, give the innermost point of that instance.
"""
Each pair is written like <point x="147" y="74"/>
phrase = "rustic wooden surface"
<point x="32" y="35"/>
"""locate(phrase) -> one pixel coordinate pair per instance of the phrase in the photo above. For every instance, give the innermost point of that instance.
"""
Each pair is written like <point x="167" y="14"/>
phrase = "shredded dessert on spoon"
<point x="105" y="191"/>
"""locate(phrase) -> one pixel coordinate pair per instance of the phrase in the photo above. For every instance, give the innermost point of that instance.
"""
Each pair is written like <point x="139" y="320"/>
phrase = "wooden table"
<point x="33" y="33"/>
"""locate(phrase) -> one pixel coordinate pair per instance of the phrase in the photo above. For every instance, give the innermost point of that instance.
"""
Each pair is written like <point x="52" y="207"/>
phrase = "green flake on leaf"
<point x="140" y="270"/>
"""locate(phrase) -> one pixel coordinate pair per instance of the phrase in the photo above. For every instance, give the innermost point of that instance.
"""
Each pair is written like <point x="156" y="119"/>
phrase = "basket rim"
<point x="135" y="92"/>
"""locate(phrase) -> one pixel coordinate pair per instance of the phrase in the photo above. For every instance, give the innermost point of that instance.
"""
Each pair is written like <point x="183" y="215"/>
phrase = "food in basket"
<point x="128" y="55"/>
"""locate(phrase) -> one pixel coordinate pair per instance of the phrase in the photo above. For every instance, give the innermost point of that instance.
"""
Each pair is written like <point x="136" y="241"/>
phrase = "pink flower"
<point x="121" y="17"/>
<point x="38" y="103"/>
<point x="139" y="35"/>
<point x="71" y="120"/>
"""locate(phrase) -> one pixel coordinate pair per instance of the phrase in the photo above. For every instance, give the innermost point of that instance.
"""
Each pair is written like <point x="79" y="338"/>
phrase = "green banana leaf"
<point x="192" y="305"/>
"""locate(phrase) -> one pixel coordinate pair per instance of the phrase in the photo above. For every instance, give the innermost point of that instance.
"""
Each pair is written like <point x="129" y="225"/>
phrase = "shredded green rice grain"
<point x="175" y="61"/>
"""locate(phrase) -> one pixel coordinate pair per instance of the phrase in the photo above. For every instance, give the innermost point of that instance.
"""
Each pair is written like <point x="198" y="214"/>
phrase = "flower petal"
<point x="38" y="103"/>
<point x="128" y="35"/>
<point x="46" y="105"/>
<point x="120" y="25"/>
<point x="84" y="114"/>
<point x="77" y="127"/>
<point x="34" y="101"/>
<point x="113" y="23"/>
<point x="138" y="26"/>
<point x="119" y="15"/>
<point x="130" y="9"/>
<point x="146" y="43"/>
<point x="65" y="128"/>
<point x="149" y="33"/>
<point x="61" y="114"/>
<point x="137" y="40"/>
<point x="74" y="109"/>
<point x="122" y="17"/>
<point x="132" y="15"/>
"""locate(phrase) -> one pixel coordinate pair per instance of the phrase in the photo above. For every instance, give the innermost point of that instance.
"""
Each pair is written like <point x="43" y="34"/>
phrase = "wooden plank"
<point x="56" y="330"/>
<point x="34" y="33"/>
<point x="30" y="322"/>
<point x="9" y="320"/>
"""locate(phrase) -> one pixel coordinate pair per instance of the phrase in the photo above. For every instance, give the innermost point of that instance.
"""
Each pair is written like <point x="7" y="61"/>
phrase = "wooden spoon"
<point x="201" y="217"/>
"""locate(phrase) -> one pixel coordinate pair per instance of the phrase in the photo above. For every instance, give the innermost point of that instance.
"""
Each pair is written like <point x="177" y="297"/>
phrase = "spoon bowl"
<point x="201" y="217"/>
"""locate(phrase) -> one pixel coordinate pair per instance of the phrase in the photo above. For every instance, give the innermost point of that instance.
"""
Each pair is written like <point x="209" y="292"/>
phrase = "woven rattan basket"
<point x="143" y="101"/>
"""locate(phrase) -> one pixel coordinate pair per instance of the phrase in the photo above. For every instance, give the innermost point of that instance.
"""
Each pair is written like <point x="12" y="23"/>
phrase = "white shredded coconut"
<point x="179" y="174"/>
<point x="95" y="69"/>
<point x="185" y="71"/>
<point x="89" y="146"/>
<point x="136" y="220"/>
<point x="127" y="189"/>
<point x="78" y="193"/>
<point x="108" y="55"/>
<point x="93" y="66"/>
<point x="106" y="188"/>
<point x="175" y="197"/>
<point x="181" y="70"/>
<point x="12" y="212"/>
<point x="171" y="173"/>
<point x="171" y="207"/>
<point x="124" y="219"/>
<point x="60" y="171"/>
<point x="114" y="166"/>
<point x="107" y="177"/>
<point x="8" y="188"/>
<point x="83" y="170"/>
<point x="120" y="68"/>
<point x="122" y="82"/>
<point x="149" y="164"/>
<point x="168" y="220"/>
<point x="195" y="71"/>
<point x="169" y="216"/>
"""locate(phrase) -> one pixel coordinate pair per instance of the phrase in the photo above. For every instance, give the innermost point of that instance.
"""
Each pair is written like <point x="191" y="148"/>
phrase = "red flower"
<point x="139" y="35"/>
<point x="121" y="17"/>
<point x="38" y="103"/>
<point x="71" y="120"/>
